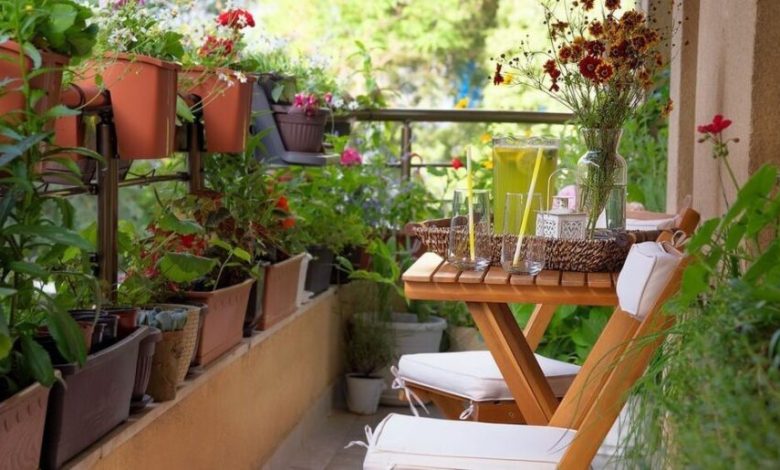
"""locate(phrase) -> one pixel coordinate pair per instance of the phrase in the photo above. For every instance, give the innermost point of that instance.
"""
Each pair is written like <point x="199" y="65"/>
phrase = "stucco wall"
<point x="239" y="415"/>
<point x="737" y="44"/>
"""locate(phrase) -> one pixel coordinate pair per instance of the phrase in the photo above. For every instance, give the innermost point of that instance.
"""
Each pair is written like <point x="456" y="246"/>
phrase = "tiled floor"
<point x="324" y="448"/>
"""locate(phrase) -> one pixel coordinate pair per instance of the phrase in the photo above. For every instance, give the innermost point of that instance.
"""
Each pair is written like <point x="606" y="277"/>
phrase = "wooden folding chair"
<point x="576" y="430"/>
<point x="425" y="375"/>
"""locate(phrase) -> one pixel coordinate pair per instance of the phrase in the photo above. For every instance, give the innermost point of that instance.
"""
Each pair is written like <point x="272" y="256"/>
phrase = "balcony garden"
<point x="212" y="232"/>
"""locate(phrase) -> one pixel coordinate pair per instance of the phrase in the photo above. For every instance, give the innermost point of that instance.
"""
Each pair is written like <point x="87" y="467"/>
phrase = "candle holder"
<point x="470" y="235"/>
<point x="561" y="222"/>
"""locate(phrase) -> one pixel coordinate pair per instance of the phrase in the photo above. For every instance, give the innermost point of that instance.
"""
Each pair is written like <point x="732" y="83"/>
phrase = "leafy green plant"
<point x="59" y="26"/>
<point x="711" y="391"/>
<point x="385" y="273"/>
<point x="370" y="344"/>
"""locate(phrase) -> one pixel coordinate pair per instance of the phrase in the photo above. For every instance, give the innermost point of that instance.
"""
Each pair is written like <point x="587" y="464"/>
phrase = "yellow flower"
<point x="485" y="138"/>
<point x="462" y="103"/>
<point x="28" y="7"/>
<point x="507" y="78"/>
<point x="487" y="164"/>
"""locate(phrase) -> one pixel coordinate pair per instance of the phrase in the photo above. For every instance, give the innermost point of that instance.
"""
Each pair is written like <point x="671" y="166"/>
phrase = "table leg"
<point x="515" y="360"/>
<point x="538" y="323"/>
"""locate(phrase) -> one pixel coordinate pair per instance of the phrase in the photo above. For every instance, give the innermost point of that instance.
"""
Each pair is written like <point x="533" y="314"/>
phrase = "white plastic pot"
<point x="363" y="393"/>
<point x="411" y="337"/>
<point x="465" y="338"/>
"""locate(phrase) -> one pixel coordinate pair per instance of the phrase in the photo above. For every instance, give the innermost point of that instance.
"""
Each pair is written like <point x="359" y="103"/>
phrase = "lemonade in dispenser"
<point x="513" y="167"/>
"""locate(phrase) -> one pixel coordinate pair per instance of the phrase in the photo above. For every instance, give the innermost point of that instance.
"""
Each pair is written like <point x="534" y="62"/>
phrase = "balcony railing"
<point x="409" y="116"/>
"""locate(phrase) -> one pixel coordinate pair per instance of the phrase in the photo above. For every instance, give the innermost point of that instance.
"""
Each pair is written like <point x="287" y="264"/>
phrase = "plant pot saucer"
<point x="137" y="406"/>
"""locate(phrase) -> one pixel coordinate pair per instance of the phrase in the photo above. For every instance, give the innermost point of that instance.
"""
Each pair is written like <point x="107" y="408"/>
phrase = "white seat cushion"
<point x="474" y="375"/>
<point x="407" y="442"/>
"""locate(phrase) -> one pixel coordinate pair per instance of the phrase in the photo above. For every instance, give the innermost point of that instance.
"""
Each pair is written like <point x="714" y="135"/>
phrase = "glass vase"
<point x="602" y="176"/>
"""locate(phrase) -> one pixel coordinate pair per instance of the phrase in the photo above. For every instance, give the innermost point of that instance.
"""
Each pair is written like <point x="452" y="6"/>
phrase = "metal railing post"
<point x="107" y="203"/>
<point x="406" y="151"/>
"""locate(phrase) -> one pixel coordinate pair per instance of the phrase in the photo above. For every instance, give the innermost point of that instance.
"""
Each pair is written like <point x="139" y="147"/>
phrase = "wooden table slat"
<point x="572" y="279"/>
<point x="422" y="270"/>
<point x="496" y="275"/>
<point x="522" y="280"/>
<point x="599" y="280"/>
<point x="446" y="273"/>
<point x="472" y="277"/>
<point x="548" y="278"/>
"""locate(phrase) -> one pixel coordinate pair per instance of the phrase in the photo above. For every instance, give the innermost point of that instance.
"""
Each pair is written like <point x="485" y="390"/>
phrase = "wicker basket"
<point x="562" y="255"/>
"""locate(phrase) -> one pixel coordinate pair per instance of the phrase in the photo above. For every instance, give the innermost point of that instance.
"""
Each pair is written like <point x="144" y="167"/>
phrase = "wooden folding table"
<point x="487" y="294"/>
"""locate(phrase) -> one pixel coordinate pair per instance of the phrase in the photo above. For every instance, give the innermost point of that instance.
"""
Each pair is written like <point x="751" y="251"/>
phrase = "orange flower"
<point x="604" y="72"/>
<point x="577" y="51"/>
<point x="612" y="4"/>
<point x="668" y="108"/>
<point x="588" y="67"/>
<point x="595" y="48"/>
<point x="288" y="223"/>
<point x="587" y="4"/>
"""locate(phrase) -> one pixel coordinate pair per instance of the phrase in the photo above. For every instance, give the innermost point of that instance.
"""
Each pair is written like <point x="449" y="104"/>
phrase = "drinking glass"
<point x="470" y="236"/>
<point x="531" y="256"/>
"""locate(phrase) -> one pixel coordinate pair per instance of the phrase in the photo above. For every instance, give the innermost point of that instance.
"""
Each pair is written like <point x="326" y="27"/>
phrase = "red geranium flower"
<point x="288" y="223"/>
<point x="283" y="204"/>
<point x="214" y="45"/>
<point x="457" y="164"/>
<point x="498" y="79"/>
<point x="718" y="125"/>
<point x="236" y="18"/>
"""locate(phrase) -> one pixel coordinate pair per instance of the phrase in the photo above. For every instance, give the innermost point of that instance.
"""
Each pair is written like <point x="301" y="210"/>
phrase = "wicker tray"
<point x="562" y="255"/>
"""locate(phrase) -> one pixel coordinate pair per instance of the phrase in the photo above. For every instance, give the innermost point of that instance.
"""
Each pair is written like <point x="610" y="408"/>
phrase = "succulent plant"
<point x="165" y="319"/>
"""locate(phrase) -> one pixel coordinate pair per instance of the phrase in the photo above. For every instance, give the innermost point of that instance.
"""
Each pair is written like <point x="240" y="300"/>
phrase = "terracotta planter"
<point x="143" y="371"/>
<point x="143" y="98"/>
<point x="94" y="399"/>
<point x="320" y="267"/>
<point x="281" y="290"/>
<point x="50" y="81"/>
<point x="223" y="324"/>
<point x="22" y="417"/>
<point x="300" y="133"/>
<point x="227" y="107"/>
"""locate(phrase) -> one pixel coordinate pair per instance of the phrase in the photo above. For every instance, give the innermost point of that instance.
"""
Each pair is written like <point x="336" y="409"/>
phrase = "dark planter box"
<point x="94" y="399"/>
<point x="320" y="268"/>
<point x="254" y="309"/>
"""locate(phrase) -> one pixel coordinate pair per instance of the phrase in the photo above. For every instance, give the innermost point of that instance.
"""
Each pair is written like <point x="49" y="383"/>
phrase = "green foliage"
<point x="572" y="332"/>
<point x="370" y="344"/>
<point x="385" y="272"/>
<point x="715" y="384"/>
<point x="51" y="25"/>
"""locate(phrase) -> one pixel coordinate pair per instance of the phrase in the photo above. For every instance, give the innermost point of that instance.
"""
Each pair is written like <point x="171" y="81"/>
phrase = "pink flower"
<point x="328" y="97"/>
<point x="351" y="157"/>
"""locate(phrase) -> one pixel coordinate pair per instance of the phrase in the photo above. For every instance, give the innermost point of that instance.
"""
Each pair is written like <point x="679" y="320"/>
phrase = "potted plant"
<point x="173" y="353"/>
<point x="260" y="211"/>
<point x="369" y="344"/>
<point x="32" y="232"/>
<point x="461" y="330"/>
<point x="214" y="74"/>
<point x="138" y="68"/>
<point x="327" y="223"/>
<point x="413" y="333"/>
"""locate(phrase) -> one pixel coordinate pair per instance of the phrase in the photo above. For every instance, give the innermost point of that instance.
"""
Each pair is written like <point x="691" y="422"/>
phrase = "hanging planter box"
<point x="143" y="99"/>
<point x="300" y="133"/>
<point x="22" y="417"/>
<point x="223" y="324"/>
<point x="226" y="104"/>
<point x="282" y="283"/>
<point x="49" y="81"/>
<point x="320" y="268"/>
<point x="94" y="399"/>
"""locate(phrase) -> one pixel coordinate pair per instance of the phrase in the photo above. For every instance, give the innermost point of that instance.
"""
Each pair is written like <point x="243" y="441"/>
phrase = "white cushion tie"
<point x="411" y="397"/>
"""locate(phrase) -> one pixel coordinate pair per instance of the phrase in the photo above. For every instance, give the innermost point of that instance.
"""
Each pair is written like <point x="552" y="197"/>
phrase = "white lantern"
<point x="561" y="221"/>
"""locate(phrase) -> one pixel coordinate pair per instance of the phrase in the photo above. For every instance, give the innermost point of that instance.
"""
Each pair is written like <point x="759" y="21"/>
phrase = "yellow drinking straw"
<point x="527" y="210"/>
<point x="470" y="196"/>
